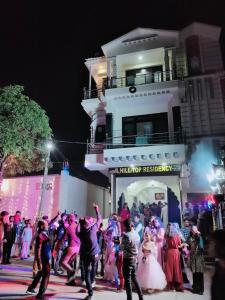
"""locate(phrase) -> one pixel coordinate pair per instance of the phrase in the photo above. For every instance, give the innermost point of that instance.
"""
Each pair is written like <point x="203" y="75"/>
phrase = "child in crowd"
<point x="150" y="274"/>
<point x="26" y="238"/>
<point x="119" y="264"/>
<point x="110" y="270"/>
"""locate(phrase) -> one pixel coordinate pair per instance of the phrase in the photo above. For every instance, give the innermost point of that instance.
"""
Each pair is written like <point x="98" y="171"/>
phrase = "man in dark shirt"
<point x="58" y="250"/>
<point x="129" y="245"/>
<point x="8" y="238"/>
<point x="43" y="257"/>
<point x="89" y="251"/>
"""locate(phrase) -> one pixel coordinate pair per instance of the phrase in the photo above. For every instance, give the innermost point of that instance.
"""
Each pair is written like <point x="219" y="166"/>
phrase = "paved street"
<point x="14" y="279"/>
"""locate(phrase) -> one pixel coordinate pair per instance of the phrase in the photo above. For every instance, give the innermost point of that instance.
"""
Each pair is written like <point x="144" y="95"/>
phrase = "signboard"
<point x="147" y="170"/>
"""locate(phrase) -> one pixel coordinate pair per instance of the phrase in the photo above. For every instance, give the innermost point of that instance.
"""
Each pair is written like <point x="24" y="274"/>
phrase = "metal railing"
<point x="133" y="80"/>
<point x="125" y="141"/>
<point x="92" y="93"/>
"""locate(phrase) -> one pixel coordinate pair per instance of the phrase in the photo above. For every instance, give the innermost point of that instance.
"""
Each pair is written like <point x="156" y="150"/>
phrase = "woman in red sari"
<point x="172" y="259"/>
<point x="124" y="215"/>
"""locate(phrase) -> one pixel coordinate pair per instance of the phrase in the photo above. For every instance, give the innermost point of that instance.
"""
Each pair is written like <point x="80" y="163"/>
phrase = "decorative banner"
<point x="147" y="170"/>
<point x="24" y="193"/>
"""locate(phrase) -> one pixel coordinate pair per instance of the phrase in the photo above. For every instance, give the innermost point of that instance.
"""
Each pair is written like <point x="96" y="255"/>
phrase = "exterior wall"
<point x="24" y="193"/>
<point x="211" y="55"/>
<point x="202" y="114"/>
<point x="78" y="195"/>
<point x="73" y="195"/>
<point x="100" y="196"/>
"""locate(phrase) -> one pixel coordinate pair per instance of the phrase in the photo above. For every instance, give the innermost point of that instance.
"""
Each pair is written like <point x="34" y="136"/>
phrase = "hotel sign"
<point x="147" y="170"/>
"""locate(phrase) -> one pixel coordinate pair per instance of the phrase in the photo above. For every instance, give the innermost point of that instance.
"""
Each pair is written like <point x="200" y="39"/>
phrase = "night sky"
<point x="44" y="43"/>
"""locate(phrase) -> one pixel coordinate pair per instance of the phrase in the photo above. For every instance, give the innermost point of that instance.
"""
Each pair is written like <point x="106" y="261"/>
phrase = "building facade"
<point x="157" y="114"/>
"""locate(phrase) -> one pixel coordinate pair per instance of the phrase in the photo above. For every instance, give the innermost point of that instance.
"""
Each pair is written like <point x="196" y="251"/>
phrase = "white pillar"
<point x="108" y="67"/>
<point x="43" y="188"/>
<point x="89" y="87"/>
<point x="113" y="192"/>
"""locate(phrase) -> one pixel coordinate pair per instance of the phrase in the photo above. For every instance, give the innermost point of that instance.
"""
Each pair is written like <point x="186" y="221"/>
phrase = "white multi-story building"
<point x="157" y="114"/>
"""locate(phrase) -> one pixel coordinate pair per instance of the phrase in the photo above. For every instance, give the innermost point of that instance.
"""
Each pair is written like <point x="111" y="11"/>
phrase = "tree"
<point x="24" y="129"/>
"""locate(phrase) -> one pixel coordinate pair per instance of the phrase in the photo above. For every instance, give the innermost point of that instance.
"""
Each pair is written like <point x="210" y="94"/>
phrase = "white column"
<point x="89" y="87"/>
<point x="43" y="189"/>
<point x="113" y="192"/>
<point x="108" y="67"/>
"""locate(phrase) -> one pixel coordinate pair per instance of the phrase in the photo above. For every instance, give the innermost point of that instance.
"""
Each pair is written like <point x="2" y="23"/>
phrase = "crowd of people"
<point x="126" y="249"/>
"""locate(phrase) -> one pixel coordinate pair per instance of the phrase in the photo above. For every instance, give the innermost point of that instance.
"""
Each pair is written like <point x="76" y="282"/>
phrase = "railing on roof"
<point x="125" y="141"/>
<point x="132" y="80"/>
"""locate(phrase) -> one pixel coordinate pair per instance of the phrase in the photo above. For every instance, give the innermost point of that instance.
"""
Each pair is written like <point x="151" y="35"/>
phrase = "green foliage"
<point x="24" y="128"/>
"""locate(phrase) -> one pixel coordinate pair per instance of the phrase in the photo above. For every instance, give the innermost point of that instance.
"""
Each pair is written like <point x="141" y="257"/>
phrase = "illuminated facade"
<point x="158" y="95"/>
<point x="63" y="193"/>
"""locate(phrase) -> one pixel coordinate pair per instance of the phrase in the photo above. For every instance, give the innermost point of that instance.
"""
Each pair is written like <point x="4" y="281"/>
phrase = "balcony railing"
<point x="137" y="141"/>
<point x="134" y="80"/>
<point x="148" y="78"/>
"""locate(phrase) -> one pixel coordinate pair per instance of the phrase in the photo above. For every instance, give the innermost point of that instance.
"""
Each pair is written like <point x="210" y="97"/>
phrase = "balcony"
<point x="129" y="141"/>
<point x="153" y="149"/>
<point x="147" y="78"/>
<point x="155" y="80"/>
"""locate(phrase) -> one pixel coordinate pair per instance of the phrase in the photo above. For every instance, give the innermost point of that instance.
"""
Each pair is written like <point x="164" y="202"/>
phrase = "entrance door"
<point x="152" y="194"/>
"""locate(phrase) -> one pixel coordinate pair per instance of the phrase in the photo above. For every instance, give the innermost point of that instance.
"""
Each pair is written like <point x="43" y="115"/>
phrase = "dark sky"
<point x="44" y="43"/>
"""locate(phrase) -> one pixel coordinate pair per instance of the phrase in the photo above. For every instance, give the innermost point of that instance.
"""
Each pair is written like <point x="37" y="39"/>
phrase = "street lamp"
<point x="49" y="147"/>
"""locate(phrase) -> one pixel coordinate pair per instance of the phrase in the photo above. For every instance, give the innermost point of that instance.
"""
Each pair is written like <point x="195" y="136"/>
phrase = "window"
<point x="100" y="134"/>
<point x="199" y="90"/>
<point x="109" y="125"/>
<point x="191" y="91"/>
<point x="144" y="75"/>
<point x="209" y="87"/>
<point x="143" y="129"/>
<point x="176" y="118"/>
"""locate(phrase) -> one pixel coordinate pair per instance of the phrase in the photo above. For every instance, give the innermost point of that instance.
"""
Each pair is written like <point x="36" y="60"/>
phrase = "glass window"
<point x="144" y="75"/>
<point x="154" y="127"/>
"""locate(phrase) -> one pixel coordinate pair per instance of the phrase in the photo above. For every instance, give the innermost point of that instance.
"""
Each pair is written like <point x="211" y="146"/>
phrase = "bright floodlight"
<point x="49" y="146"/>
<point x="140" y="57"/>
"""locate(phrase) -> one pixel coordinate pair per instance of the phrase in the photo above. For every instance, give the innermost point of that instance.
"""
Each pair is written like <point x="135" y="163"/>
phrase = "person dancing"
<point x="73" y="247"/>
<point x="89" y="252"/>
<point x="129" y="246"/>
<point x="43" y="257"/>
